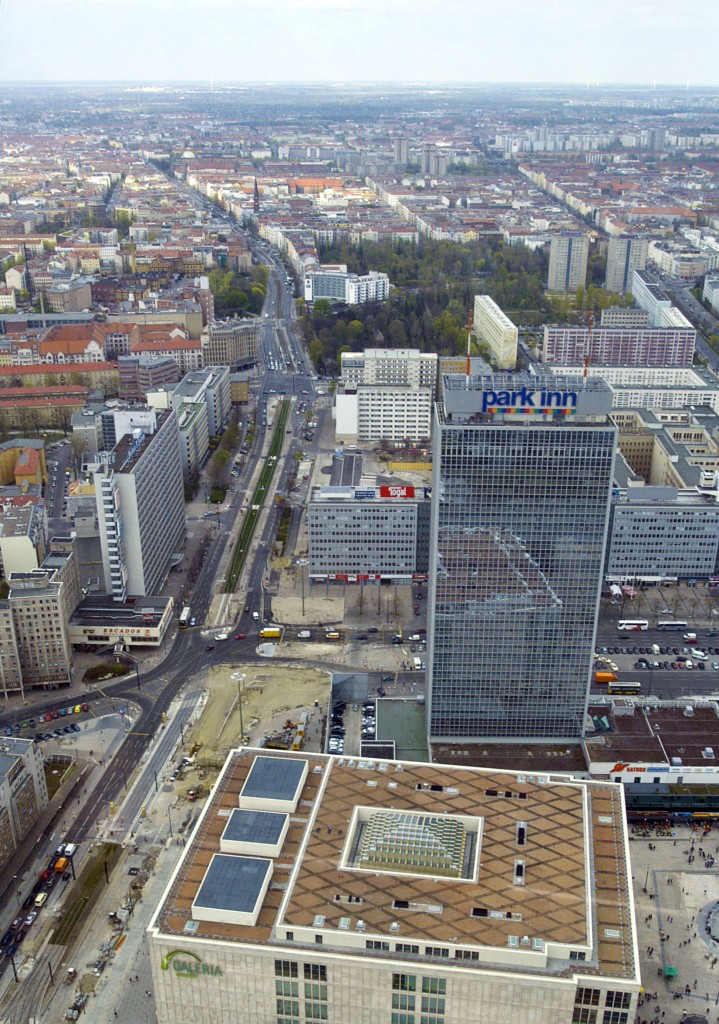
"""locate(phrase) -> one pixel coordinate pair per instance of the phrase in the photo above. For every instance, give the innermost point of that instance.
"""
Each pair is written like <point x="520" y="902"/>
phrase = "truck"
<point x="304" y="634"/>
<point x="605" y="677"/>
<point x="270" y="633"/>
<point x="690" y="638"/>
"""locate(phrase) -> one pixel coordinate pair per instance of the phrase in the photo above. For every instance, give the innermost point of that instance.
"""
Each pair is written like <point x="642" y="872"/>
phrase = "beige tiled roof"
<point x="563" y="884"/>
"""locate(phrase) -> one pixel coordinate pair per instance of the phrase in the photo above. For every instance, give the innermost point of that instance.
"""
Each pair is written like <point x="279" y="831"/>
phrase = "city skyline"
<point x="360" y="40"/>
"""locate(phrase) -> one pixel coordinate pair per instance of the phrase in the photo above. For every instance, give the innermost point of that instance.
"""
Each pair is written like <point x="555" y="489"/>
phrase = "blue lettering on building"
<point x="526" y="399"/>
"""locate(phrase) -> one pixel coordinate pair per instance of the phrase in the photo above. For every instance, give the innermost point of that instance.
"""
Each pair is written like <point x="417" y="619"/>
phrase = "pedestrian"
<point x="115" y="1012"/>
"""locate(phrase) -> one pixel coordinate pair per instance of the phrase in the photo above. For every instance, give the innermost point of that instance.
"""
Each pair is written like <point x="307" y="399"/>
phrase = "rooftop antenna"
<point x="589" y="345"/>
<point x="469" y="338"/>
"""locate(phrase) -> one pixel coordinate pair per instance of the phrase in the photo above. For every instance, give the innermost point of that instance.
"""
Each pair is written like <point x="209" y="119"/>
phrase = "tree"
<point x="78" y="444"/>
<point x="217" y="470"/>
<point x="321" y="307"/>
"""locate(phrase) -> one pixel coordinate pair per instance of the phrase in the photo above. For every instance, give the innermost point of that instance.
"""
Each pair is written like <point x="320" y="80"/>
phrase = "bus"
<point x="185" y="616"/>
<point x="624" y="688"/>
<point x="332" y="634"/>
<point x="629" y="625"/>
<point x="673" y="624"/>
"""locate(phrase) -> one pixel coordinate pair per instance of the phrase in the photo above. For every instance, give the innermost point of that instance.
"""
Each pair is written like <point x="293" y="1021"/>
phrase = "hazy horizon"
<point x="463" y="42"/>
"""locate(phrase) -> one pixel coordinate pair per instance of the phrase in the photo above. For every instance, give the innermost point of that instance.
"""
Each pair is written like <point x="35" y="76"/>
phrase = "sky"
<point x="604" y="41"/>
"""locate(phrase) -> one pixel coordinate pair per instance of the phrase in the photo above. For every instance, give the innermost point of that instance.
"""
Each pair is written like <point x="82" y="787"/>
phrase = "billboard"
<point x="397" y="491"/>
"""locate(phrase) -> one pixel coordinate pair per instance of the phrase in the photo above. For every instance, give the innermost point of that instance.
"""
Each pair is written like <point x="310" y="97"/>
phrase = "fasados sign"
<point x="396" y="492"/>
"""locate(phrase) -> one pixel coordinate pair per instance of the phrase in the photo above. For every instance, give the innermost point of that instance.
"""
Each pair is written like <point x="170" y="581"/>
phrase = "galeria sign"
<point x="187" y="965"/>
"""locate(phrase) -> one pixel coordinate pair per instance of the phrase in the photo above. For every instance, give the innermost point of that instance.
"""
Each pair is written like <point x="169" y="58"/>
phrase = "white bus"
<point x="185" y="615"/>
<point x="629" y="625"/>
<point x="673" y="624"/>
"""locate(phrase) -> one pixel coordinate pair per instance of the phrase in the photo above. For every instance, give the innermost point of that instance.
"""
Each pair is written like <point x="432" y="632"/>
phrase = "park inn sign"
<point x="188" y="965"/>
<point x="528" y="400"/>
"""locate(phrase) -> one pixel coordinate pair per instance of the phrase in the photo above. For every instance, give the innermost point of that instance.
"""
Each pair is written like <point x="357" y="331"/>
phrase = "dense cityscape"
<point x="359" y="553"/>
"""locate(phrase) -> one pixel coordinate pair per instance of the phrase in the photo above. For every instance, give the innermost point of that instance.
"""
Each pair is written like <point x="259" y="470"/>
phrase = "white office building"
<point x="710" y="292"/>
<point x="341" y="286"/>
<point x="494" y="329"/>
<point x="650" y="296"/>
<point x="390" y="366"/>
<point x="656" y="387"/>
<point x="367" y="534"/>
<point x="321" y="888"/>
<point x="384" y="413"/>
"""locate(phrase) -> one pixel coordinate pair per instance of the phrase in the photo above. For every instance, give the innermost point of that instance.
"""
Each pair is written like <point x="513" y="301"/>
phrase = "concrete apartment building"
<point x="38" y="603"/>
<point x="337" y="285"/>
<point x="235" y="344"/>
<point x="367" y="534"/>
<point x="327" y="888"/>
<point x="142" y="373"/>
<point x="568" y="254"/>
<point x="657" y="387"/>
<point x="493" y="328"/>
<point x="69" y="297"/>
<point x="140" y="508"/>
<point x="23" y="792"/>
<point x="524" y="469"/>
<point x="611" y="346"/>
<point x="624" y="256"/>
<point x="390" y="366"/>
<point x="35" y="649"/>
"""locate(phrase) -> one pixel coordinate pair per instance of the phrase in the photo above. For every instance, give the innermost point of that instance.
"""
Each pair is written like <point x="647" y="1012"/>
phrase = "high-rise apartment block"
<point x="492" y="327"/>
<point x="522" y="481"/>
<point x="23" y="792"/>
<point x="401" y="153"/>
<point x="40" y="619"/>
<point x="140" y="508"/>
<point x="568" y="254"/>
<point x="624" y="256"/>
<point x="613" y="346"/>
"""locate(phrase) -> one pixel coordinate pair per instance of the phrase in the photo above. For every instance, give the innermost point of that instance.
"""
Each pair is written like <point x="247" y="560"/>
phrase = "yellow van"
<point x="40" y="900"/>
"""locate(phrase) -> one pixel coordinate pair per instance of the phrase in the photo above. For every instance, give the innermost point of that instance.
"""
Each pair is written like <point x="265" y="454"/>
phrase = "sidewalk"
<point x="675" y="897"/>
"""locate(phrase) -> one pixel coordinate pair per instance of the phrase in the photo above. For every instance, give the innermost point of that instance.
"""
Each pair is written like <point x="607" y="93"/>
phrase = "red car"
<point x="45" y="875"/>
<point x="239" y="636"/>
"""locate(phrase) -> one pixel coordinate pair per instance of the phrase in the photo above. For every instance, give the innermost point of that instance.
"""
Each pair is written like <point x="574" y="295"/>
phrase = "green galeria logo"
<point x="189" y="966"/>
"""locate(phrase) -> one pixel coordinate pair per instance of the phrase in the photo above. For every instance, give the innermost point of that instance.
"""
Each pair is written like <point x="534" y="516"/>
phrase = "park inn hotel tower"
<point x="523" y="469"/>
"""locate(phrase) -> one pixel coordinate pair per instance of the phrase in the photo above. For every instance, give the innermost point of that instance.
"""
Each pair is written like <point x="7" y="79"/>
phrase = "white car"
<point x="221" y="636"/>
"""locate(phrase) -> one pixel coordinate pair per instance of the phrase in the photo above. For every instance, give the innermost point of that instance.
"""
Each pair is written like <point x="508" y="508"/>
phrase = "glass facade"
<point x="519" y="527"/>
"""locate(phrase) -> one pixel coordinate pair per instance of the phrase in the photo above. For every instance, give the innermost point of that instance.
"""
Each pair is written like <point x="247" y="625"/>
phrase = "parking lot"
<point x="350" y="724"/>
